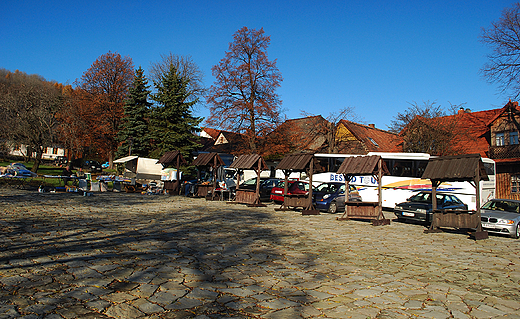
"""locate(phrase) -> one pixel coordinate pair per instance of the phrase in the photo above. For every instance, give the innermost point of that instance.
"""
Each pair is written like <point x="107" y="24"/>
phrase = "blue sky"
<point x="373" y="56"/>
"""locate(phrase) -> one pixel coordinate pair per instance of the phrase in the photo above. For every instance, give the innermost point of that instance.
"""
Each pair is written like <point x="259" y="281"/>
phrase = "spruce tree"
<point x="134" y="135"/>
<point x="172" y="123"/>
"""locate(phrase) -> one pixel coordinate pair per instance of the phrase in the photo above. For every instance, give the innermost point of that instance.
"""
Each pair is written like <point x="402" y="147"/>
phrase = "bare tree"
<point x="243" y="98"/>
<point x="427" y="128"/>
<point x="503" y="36"/>
<point x="186" y="68"/>
<point x="328" y="129"/>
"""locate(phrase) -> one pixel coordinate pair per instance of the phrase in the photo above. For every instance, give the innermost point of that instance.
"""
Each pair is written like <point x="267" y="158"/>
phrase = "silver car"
<point x="501" y="216"/>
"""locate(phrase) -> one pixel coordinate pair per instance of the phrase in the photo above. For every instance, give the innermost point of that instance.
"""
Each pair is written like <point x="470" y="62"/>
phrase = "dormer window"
<point x="499" y="139"/>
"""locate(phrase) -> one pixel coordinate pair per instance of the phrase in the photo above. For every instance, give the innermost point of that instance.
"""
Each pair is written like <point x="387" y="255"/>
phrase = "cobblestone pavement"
<point x="118" y="255"/>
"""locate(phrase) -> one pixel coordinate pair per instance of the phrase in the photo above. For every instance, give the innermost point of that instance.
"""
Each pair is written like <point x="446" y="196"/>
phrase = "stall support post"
<point x="381" y="220"/>
<point x="286" y="174"/>
<point x="309" y="210"/>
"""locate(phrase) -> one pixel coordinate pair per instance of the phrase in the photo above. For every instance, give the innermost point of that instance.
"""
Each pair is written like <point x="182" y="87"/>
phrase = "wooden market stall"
<point x="254" y="162"/>
<point x="461" y="168"/>
<point x="298" y="162"/>
<point x="364" y="165"/>
<point x="211" y="161"/>
<point x="175" y="159"/>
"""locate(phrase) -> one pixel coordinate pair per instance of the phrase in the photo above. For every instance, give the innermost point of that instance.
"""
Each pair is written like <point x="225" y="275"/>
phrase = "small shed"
<point x="298" y="162"/>
<point x="175" y="159"/>
<point x="256" y="163"/>
<point x="212" y="161"/>
<point x="461" y="168"/>
<point x="364" y="165"/>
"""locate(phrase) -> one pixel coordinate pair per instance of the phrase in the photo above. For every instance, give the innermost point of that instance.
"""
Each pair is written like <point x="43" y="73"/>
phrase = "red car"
<point x="294" y="187"/>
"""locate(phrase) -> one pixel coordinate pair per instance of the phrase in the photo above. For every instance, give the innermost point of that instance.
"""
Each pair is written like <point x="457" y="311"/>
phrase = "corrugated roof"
<point x="249" y="162"/>
<point x="296" y="162"/>
<point x="455" y="168"/>
<point x="360" y="165"/>
<point x="208" y="159"/>
<point x="171" y="157"/>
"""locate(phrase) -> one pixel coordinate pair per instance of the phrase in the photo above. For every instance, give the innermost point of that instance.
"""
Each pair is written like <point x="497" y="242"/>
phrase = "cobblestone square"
<point x="119" y="255"/>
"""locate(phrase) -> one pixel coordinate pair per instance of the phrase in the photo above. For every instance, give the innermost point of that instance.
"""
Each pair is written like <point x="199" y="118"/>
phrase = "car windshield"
<point x="251" y="181"/>
<point x="421" y="197"/>
<point x="281" y="184"/>
<point x="327" y="188"/>
<point x="499" y="205"/>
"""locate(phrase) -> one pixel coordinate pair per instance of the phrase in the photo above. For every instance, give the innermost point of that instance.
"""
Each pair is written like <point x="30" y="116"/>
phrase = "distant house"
<point x="228" y="143"/>
<point x="355" y="138"/>
<point x="50" y="153"/>
<point x="210" y="133"/>
<point x="492" y="134"/>
<point x="504" y="148"/>
<point x="308" y="134"/>
<point x="312" y="134"/>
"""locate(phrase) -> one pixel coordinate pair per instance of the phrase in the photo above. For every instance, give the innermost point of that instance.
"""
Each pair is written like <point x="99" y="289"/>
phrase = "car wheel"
<point x="517" y="232"/>
<point x="333" y="208"/>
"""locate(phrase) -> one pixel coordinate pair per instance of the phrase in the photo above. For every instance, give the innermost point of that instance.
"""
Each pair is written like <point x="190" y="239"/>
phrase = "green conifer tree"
<point x="172" y="123"/>
<point x="134" y="134"/>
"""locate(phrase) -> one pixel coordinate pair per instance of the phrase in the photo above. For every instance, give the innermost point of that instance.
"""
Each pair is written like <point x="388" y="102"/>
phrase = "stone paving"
<point x="118" y="255"/>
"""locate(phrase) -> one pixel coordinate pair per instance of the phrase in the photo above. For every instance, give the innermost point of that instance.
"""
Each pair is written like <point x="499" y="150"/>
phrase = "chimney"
<point x="372" y="125"/>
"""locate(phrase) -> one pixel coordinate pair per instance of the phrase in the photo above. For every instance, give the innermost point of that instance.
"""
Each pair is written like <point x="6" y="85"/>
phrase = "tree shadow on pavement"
<point x="170" y="256"/>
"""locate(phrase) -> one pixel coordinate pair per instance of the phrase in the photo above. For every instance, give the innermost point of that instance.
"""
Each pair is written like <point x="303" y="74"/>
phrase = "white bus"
<point x="404" y="180"/>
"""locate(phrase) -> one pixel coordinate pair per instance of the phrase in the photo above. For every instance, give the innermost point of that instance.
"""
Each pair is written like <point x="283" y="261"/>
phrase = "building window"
<point x="515" y="183"/>
<point x="513" y="138"/>
<point x="499" y="139"/>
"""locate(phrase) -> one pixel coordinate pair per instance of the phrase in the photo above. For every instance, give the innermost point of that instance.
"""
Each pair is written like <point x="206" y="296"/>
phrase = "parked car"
<point x="18" y="169"/>
<point x="266" y="185"/>
<point x="501" y="216"/>
<point x="419" y="206"/>
<point x="330" y="197"/>
<point x="91" y="166"/>
<point x="293" y="187"/>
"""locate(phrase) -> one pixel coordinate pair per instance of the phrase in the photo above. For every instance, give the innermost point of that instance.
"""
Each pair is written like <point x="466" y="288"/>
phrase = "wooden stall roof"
<point x="207" y="159"/>
<point x="455" y="168"/>
<point x="295" y="162"/>
<point x="171" y="158"/>
<point x="361" y="165"/>
<point x="249" y="162"/>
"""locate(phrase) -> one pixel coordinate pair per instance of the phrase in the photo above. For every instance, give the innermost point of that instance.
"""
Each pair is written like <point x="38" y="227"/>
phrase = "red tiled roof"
<point x="472" y="131"/>
<point x="373" y="139"/>
<point x="303" y="134"/>
<point x="212" y="132"/>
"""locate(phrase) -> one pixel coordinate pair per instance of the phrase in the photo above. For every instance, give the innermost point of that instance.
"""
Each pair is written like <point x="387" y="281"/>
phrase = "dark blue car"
<point x="330" y="197"/>
<point x="419" y="206"/>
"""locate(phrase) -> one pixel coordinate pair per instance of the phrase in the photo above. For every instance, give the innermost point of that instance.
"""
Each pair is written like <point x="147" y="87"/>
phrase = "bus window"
<point x="490" y="168"/>
<point x="406" y="168"/>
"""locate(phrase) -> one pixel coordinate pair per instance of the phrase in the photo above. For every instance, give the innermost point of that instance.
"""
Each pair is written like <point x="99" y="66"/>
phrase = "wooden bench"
<point x="365" y="210"/>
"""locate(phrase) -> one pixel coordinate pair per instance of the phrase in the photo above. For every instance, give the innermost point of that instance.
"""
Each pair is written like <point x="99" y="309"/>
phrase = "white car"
<point x="501" y="216"/>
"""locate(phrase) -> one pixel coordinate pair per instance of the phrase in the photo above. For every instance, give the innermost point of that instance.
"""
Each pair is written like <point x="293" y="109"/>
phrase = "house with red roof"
<point x="355" y="138"/>
<point x="492" y="134"/>
<point x="504" y="148"/>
